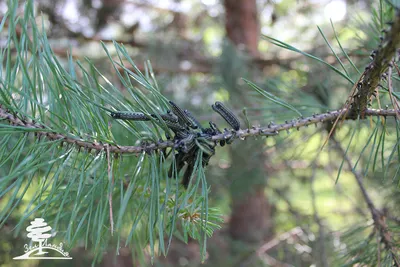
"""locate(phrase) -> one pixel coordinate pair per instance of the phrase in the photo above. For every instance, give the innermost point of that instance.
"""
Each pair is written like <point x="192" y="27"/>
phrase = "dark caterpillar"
<point x="193" y="120"/>
<point x="135" y="116"/>
<point x="227" y="114"/>
<point x="187" y="143"/>
<point x="182" y="117"/>
<point x="216" y="130"/>
<point x="139" y="116"/>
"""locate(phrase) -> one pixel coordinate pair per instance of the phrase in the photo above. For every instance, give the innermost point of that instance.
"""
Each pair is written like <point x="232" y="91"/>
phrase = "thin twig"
<point x="261" y="252"/>
<point x="277" y="240"/>
<point x="270" y="261"/>
<point x="377" y="215"/>
<point x="321" y="235"/>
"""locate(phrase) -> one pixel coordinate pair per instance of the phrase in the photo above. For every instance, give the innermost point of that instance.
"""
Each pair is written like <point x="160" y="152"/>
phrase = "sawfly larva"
<point x="227" y="114"/>
<point x="135" y="116"/>
<point x="182" y="117"/>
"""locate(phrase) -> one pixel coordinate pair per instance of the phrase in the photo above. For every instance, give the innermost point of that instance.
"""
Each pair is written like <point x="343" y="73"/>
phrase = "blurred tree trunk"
<point x="241" y="24"/>
<point x="250" y="219"/>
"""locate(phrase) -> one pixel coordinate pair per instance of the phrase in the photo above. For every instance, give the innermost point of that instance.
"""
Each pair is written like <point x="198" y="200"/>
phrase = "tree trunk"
<point x="241" y="24"/>
<point x="250" y="219"/>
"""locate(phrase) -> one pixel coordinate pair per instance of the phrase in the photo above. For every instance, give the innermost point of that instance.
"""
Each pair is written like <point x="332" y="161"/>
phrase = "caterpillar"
<point x="172" y="115"/>
<point x="167" y="117"/>
<point x="181" y="159"/>
<point x="187" y="143"/>
<point x="139" y="116"/>
<point x="216" y="130"/>
<point x="136" y="116"/>
<point x="188" y="174"/>
<point x="182" y="117"/>
<point x="205" y="159"/>
<point x="208" y="148"/>
<point x="193" y="120"/>
<point x="228" y="115"/>
<point x="175" y="127"/>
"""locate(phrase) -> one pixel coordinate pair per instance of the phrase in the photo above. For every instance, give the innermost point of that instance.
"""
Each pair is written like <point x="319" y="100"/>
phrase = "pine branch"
<point x="270" y="130"/>
<point x="382" y="58"/>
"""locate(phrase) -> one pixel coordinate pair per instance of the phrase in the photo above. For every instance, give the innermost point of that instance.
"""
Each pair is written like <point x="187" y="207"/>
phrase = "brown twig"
<point x="317" y="219"/>
<point x="277" y="240"/>
<point x="377" y="215"/>
<point x="261" y="252"/>
<point x="270" y="130"/>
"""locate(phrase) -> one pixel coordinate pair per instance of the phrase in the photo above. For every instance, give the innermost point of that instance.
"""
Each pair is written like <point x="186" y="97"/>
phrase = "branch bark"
<point x="382" y="58"/>
<point x="270" y="130"/>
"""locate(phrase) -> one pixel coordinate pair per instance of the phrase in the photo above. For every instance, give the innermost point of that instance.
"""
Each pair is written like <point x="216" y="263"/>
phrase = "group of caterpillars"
<point x="190" y="136"/>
